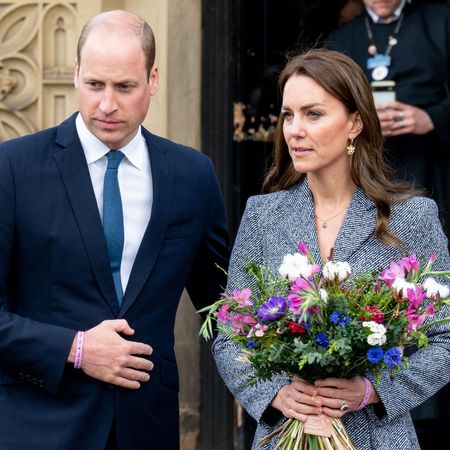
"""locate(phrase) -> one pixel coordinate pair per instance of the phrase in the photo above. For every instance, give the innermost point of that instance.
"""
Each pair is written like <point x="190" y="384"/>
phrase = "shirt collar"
<point x="377" y="19"/>
<point x="94" y="149"/>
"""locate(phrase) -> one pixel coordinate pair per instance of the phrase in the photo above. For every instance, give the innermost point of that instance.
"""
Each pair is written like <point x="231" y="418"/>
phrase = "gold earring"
<point x="351" y="148"/>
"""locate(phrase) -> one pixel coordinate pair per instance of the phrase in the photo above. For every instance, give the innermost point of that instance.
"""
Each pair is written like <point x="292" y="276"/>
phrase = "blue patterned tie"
<point x="113" y="218"/>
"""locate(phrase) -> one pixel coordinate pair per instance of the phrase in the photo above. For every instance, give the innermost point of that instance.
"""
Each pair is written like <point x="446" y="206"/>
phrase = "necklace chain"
<point x="324" y="223"/>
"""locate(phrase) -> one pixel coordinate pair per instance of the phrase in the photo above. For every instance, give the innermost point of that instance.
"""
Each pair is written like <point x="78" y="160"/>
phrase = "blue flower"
<point x="344" y="320"/>
<point x="272" y="309"/>
<point x="374" y="354"/>
<point x="339" y="318"/>
<point x="334" y="317"/>
<point x="251" y="344"/>
<point x="322" y="340"/>
<point x="393" y="357"/>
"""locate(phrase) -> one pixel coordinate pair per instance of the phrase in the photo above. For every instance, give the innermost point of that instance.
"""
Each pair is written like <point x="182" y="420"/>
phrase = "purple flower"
<point x="272" y="309"/>
<point x="322" y="340"/>
<point x="374" y="354"/>
<point x="393" y="357"/>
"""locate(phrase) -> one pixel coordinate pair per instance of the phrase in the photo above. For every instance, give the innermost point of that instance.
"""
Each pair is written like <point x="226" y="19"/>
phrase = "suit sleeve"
<point x="255" y="399"/>
<point x="207" y="278"/>
<point x="30" y="351"/>
<point x="429" y="368"/>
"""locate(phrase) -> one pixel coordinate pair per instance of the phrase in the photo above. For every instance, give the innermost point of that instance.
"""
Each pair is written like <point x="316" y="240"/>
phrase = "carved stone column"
<point x="37" y="50"/>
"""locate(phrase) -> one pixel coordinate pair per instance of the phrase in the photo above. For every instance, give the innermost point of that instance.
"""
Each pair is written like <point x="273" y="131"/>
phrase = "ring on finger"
<point x="344" y="407"/>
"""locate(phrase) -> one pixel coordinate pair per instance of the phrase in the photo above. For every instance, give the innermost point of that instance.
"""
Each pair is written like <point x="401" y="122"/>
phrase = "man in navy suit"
<point x="87" y="309"/>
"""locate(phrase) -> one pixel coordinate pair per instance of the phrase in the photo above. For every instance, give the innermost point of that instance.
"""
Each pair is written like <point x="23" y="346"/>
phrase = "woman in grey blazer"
<point x="329" y="188"/>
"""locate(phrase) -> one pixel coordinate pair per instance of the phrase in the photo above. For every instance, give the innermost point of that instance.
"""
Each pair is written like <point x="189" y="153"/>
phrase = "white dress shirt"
<point x="136" y="188"/>
<point x="396" y="14"/>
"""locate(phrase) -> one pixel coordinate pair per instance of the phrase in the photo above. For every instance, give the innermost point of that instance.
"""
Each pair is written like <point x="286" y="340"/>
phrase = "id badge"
<point x="378" y="60"/>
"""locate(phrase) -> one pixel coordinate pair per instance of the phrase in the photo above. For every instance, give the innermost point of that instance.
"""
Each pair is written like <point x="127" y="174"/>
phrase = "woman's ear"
<point x="357" y="126"/>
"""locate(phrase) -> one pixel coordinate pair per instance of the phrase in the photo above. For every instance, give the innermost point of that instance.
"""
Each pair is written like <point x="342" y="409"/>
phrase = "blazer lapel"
<point x="162" y="178"/>
<point x="358" y="226"/>
<point x="297" y="220"/>
<point x="74" y="172"/>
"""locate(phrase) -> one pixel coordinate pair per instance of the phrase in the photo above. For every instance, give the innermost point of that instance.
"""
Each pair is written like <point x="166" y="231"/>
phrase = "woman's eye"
<point x="286" y="115"/>
<point x="314" y="114"/>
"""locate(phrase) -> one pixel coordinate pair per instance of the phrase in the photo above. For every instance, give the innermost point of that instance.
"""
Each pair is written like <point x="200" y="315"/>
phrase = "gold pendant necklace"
<point x="324" y="223"/>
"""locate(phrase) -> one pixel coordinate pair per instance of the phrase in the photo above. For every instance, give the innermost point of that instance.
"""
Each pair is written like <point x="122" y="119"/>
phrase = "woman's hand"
<point x="298" y="400"/>
<point x="335" y="393"/>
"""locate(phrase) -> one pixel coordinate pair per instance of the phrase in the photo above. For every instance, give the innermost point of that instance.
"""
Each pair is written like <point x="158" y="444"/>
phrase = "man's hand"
<point x="110" y="358"/>
<point x="398" y="118"/>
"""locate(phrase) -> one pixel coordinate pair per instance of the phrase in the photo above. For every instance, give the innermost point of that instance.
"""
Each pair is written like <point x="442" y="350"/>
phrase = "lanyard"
<point x="392" y="40"/>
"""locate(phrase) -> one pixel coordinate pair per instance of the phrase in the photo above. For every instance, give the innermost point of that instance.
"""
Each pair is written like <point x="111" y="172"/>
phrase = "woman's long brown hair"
<point x="341" y="77"/>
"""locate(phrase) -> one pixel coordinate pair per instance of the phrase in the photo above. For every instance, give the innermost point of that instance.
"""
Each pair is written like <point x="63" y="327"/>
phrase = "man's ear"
<point x="153" y="80"/>
<point x="76" y="74"/>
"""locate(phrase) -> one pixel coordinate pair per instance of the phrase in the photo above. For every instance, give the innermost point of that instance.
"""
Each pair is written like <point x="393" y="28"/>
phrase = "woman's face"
<point x="317" y="128"/>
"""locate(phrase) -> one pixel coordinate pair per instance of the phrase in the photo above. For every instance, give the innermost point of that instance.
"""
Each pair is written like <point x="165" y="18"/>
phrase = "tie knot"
<point x="114" y="158"/>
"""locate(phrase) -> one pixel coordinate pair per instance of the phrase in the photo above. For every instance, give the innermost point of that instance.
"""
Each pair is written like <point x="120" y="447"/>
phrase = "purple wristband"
<point x="365" y="400"/>
<point x="79" y="350"/>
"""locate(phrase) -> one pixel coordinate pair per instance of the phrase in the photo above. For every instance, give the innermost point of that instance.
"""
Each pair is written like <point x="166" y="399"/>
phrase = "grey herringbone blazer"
<point x="271" y="227"/>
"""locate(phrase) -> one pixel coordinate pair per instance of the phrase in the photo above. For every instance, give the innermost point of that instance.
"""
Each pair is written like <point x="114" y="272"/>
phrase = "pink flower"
<point x="242" y="298"/>
<point x="299" y="287"/>
<point x="303" y="248"/>
<point x="415" y="296"/>
<point x="239" y="321"/>
<point x="410" y="263"/>
<point x="258" y="330"/>
<point x="394" y="272"/>
<point x="222" y="314"/>
<point x="416" y="320"/>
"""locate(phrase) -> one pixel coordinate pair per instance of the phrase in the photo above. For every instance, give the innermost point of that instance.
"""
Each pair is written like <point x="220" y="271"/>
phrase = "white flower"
<point x="336" y="271"/>
<point x="376" y="339"/>
<point x="401" y="286"/>
<point x="378" y="335"/>
<point x="375" y="327"/>
<point x="295" y="266"/>
<point x="324" y="295"/>
<point x="434" y="289"/>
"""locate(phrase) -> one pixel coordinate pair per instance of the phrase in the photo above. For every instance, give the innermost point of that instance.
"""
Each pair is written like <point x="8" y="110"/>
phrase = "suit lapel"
<point x="72" y="165"/>
<point x="162" y="178"/>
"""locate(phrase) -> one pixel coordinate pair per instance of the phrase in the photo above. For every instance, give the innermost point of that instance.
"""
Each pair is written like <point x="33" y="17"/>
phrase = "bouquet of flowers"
<point x="312" y="322"/>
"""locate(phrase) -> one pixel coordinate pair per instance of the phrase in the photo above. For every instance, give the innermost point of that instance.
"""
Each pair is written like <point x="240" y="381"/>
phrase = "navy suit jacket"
<point x="55" y="279"/>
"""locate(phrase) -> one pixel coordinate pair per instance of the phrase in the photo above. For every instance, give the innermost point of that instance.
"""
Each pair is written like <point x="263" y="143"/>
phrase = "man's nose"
<point x="108" y="102"/>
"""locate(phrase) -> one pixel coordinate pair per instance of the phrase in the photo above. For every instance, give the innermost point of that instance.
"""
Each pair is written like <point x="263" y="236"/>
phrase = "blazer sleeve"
<point x="207" y="278"/>
<point x="255" y="399"/>
<point x="429" y="368"/>
<point x="30" y="351"/>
